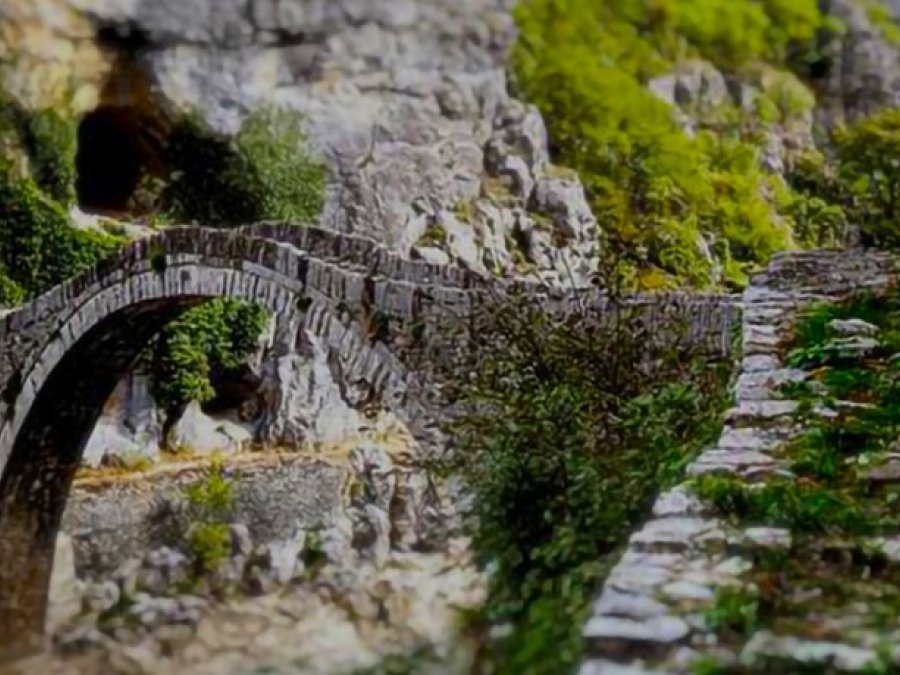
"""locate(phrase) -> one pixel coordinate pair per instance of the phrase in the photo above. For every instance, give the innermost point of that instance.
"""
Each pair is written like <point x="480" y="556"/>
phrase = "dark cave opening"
<point x="117" y="148"/>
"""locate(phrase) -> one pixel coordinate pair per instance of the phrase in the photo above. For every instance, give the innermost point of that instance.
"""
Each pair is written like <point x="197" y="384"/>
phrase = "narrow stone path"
<point x="650" y="616"/>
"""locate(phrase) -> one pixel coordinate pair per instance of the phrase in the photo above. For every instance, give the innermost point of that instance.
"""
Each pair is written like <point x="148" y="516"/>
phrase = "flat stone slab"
<point x="679" y="501"/>
<point x="766" y="384"/>
<point x="663" y="630"/>
<point x="636" y="606"/>
<point x="768" y="537"/>
<point x="606" y="667"/>
<point x="743" y="463"/>
<point x="677" y="534"/>
<point x="808" y="652"/>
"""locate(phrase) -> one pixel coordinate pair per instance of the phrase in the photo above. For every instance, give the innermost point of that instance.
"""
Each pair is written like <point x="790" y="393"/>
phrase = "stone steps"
<point x="649" y="617"/>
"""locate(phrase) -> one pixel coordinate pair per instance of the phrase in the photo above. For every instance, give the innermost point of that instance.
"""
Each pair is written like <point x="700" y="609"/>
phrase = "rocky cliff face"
<point x="407" y="101"/>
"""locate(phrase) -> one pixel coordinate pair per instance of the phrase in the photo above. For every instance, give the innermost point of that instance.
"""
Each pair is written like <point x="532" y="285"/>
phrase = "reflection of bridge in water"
<point x="62" y="354"/>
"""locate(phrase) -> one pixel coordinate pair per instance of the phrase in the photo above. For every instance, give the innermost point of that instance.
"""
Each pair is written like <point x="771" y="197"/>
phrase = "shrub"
<point x="211" y="502"/>
<point x="215" y="337"/>
<point x="47" y="140"/>
<point x="736" y="610"/>
<point x="262" y="173"/>
<point x="39" y="248"/>
<point x="568" y="434"/>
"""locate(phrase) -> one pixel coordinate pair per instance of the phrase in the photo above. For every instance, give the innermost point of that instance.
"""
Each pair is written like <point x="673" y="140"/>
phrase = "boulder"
<point x="199" y="433"/>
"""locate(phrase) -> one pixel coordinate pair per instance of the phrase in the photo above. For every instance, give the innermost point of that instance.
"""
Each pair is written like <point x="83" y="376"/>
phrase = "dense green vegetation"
<point x="670" y="205"/>
<point x="214" y="338"/>
<point x="570" y="434"/>
<point x="676" y="207"/>
<point x="38" y="246"/>
<point x="263" y="173"/>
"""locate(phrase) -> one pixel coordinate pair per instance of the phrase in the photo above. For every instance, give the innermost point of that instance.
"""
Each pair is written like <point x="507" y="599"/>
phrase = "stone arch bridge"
<point x="62" y="354"/>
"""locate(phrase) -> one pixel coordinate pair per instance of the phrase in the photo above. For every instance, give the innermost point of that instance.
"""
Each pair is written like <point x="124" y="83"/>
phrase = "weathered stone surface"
<point x="663" y="573"/>
<point x="847" y="328"/>
<point x="198" y="433"/>
<point x="661" y="629"/>
<point x="840" y="656"/>
<point x="130" y="424"/>
<point x="768" y="537"/>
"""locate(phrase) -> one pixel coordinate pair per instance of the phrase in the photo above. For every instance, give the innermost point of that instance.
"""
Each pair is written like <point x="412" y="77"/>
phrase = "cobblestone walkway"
<point x="650" y="616"/>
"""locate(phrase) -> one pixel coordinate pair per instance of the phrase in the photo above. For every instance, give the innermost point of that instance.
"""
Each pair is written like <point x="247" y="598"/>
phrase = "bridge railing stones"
<point x="340" y="270"/>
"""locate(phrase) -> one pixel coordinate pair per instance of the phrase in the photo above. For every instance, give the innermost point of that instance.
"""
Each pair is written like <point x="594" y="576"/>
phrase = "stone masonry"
<point x="649" y="616"/>
<point x="62" y="354"/>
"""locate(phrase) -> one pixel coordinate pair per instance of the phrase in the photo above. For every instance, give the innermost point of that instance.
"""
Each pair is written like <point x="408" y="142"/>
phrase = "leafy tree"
<point x="869" y="163"/>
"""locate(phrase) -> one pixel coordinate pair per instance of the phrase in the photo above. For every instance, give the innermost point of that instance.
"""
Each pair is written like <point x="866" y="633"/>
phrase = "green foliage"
<point x="46" y="140"/>
<point x="215" y="337"/>
<point x="565" y="443"/>
<point x="799" y="505"/>
<point x="38" y="246"/>
<point x="211" y="502"/>
<point x="209" y="544"/>
<point x="816" y="203"/>
<point x="264" y="172"/>
<point x="666" y="201"/>
<point x="867" y="154"/>
<point x="736" y="610"/>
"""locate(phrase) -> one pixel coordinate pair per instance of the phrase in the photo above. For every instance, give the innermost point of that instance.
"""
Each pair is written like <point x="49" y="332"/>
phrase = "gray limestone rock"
<point x="846" y="328"/>
<point x="199" y="433"/>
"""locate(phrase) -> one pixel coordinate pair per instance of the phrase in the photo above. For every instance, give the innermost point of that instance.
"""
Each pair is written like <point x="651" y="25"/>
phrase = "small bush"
<point x="867" y="154"/>
<point x="214" y="338"/>
<point x="39" y="248"/>
<point x="211" y="502"/>
<point x="264" y="172"/>
<point x="47" y="140"/>
<point x="736" y="611"/>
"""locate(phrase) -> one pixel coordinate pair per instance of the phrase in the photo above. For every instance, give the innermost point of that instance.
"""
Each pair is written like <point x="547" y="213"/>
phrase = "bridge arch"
<point x="62" y="355"/>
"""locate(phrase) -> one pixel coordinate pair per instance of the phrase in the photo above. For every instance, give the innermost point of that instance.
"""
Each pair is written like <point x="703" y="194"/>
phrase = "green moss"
<point x="434" y="235"/>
